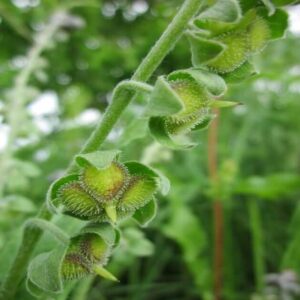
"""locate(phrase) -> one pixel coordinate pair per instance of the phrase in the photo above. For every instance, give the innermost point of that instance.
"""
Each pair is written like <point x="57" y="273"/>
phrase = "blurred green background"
<point x="46" y="121"/>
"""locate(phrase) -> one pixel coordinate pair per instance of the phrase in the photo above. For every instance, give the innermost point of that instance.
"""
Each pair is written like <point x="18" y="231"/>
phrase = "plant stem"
<point x="150" y="63"/>
<point x="217" y="208"/>
<point x="163" y="46"/>
<point x="257" y="243"/>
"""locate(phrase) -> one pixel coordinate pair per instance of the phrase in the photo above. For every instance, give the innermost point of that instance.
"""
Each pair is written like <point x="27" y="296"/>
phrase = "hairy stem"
<point x="163" y="46"/>
<point x="217" y="208"/>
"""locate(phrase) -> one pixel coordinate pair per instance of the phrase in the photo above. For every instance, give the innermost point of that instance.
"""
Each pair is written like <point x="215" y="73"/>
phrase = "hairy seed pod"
<point x="139" y="192"/>
<point x="194" y="98"/>
<point x="77" y="201"/>
<point x="234" y="55"/>
<point x="105" y="184"/>
<point x="74" y="266"/>
<point x="192" y="94"/>
<point x="94" y="248"/>
<point x="258" y="33"/>
<point x="83" y="253"/>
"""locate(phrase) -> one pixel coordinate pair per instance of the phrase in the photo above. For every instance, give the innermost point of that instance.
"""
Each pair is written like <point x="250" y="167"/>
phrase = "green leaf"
<point x="146" y="214"/>
<point x="164" y="101"/>
<point x="98" y="159"/>
<point x="138" y="245"/>
<point x="17" y="203"/>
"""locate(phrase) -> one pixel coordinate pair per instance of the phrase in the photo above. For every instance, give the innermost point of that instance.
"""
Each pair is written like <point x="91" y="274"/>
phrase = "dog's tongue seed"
<point x="234" y="55"/>
<point x="77" y="201"/>
<point x="105" y="184"/>
<point x="138" y="193"/>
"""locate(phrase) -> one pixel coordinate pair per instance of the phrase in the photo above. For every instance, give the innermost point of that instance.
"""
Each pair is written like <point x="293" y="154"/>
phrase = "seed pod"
<point x="105" y="184"/>
<point x="189" y="94"/>
<point x="235" y="53"/>
<point x="139" y="192"/>
<point x="223" y="41"/>
<point x="94" y="248"/>
<point x="104" y="191"/>
<point x="84" y="251"/>
<point x="258" y="34"/>
<point x="77" y="201"/>
<point x="74" y="266"/>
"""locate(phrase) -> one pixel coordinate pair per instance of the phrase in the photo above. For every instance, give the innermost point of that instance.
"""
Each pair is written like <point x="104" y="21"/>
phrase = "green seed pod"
<point x="258" y="34"/>
<point x="139" y="192"/>
<point x="74" y="266"/>
<point x="235" y="53"/>
<point x="189" y="94"/>
<point x="77" y="201"/>
<point x="83" y="253"/>
<point x="105" y="184"/>
<point x="94" y="248"/>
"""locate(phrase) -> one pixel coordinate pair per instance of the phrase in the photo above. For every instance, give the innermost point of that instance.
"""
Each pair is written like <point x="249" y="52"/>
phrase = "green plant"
<point x="182" y="102"/>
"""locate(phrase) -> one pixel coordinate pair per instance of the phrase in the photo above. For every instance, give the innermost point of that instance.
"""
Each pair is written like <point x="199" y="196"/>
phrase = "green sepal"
<point x="97" y="159"/>
<point x="164" y="101"/>
<point x="223" y="10"/>
<point x="285" y="2"/>
<point x="278" y="22"/>
<point x="245" y="71"/>
<point x="35" y="290"/>
<point x="146" y="214"/>
<point x="158" y="130"/>
<point x="111" y="212"/>
<point x="99" y="270"/>
<point x="203" y="50"/>
<point x="44" y="272"/>
<point x="205" y="122"/>
<point x="222" y="104"/>
<point x="105" y="231"/>
<point x="52" y="193"/>
<point x="137" y="169"/>
<point x="270" y="6"/>
<point x="211" y="82"/>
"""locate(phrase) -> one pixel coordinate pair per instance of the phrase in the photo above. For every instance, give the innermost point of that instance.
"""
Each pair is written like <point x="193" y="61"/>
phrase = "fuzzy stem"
<point x="217" y="208"/>
<point x="150" y="63"/>
<point x="163" y="46"/>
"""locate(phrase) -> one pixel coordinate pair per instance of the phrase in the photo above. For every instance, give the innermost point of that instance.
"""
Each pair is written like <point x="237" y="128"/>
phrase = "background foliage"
<point x="258" y="153"/>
